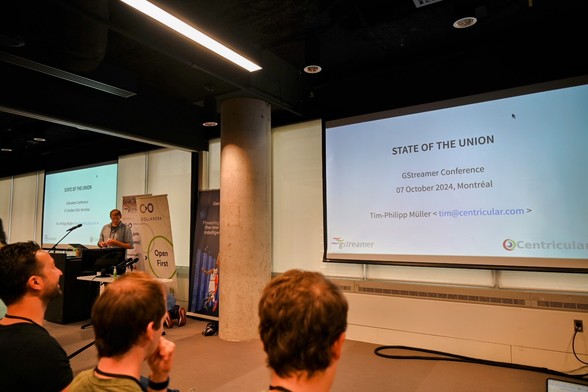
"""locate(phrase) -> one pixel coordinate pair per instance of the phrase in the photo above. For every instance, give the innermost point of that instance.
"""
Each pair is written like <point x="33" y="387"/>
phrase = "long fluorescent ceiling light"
<point x="190" y="32"/>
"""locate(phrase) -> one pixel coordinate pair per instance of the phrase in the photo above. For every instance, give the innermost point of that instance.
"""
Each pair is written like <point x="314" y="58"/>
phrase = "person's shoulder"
<point x="81" y="380"/>
<point x="87" y="381"/>
<point x="22" y="335"/>
<point x="30" y="337"/>
<point x="25" y="328"/>
<point x="83" y="375"/>
<point x="43" y="340"/>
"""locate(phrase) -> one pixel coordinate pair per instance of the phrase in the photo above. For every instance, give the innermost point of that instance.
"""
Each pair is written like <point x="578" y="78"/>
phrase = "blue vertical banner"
<point x="204" y="268"/>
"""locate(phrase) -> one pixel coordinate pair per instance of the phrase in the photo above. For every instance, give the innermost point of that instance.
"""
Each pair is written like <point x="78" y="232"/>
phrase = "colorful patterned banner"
<point x="204" y="274"/>
<point x="131" y="218"/>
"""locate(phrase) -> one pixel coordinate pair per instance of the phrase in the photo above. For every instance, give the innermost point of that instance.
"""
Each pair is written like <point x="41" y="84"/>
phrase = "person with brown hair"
<point x="116" y="234"/>
<point x="128" y="326"/>
<point x="30" y="359"/>
<point x="302" y="324"/>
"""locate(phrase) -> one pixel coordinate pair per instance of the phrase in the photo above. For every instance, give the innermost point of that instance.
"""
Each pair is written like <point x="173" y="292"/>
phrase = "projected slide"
<point x="481" y="183"/>
<point x="82" y="196"/>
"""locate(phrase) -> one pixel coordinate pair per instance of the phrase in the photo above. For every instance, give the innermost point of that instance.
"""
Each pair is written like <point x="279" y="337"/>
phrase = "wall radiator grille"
<point x="473" y="295"/>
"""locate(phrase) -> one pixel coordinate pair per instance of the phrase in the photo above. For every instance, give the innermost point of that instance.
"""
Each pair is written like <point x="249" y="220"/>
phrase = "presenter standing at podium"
<point x="116" y="234"/>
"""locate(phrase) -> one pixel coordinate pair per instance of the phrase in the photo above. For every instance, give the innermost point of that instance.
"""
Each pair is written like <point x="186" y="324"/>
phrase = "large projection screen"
<point x="78" y="196"/>
<point x="497" y="181"/>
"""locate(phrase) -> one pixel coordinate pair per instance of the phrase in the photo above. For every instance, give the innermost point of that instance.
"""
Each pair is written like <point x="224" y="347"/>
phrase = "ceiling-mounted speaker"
<point x="209" y="113"/>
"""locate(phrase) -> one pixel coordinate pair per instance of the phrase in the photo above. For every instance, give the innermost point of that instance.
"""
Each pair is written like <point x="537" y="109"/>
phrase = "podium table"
<point x="78" y="297"/>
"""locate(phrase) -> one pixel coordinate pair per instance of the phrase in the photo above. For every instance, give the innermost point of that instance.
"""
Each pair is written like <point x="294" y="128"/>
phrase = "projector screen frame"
<point x="565" y="265"/>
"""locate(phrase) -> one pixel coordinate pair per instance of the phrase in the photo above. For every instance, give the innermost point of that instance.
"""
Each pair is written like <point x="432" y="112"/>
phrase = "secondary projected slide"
<point x="81" y="196"/>
<point x="504" y="178"/>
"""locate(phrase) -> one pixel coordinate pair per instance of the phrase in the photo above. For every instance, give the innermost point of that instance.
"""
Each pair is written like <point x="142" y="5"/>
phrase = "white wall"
<point x="531" y="337"/>
<point x="20" y="204"/>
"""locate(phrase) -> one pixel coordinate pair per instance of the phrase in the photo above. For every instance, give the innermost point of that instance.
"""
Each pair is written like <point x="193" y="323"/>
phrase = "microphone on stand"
<point x="131" y="262"/>
<point x="66" y="234"/>
<point x="128" y="263"/>
<point x="75" y="227"/>
<point x="123" y="264"/>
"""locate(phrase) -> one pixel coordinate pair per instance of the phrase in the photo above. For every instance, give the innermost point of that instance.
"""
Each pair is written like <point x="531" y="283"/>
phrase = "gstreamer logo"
<point x="338" y="241"/>
<point x="341" y="243"/>
<point x="509" y="244"/>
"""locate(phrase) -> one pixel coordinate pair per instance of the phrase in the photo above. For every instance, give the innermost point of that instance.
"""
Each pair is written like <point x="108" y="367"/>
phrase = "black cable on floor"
<point x="70" y="356"/>
<point x="574" y="347"/>
<point x="443" y="356"/>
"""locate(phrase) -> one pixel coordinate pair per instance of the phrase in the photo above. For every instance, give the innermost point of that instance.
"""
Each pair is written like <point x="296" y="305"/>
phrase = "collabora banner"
<point x="156" y="237"/>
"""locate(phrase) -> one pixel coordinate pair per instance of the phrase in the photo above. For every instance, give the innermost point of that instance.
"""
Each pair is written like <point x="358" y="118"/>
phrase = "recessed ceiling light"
<point x="6" y="149"/>
<point x="466" y="22"/>
<point x="209" y="110"/>
<point x="312" y="69"/>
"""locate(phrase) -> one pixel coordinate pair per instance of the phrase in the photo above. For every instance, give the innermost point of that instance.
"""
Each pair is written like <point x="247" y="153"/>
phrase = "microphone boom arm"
<point x="66" y="234"/>
<point x="57" y="243"/>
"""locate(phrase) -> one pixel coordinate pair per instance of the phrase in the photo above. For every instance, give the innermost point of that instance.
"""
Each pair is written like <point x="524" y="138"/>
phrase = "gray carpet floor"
<point x="209" y="364"/>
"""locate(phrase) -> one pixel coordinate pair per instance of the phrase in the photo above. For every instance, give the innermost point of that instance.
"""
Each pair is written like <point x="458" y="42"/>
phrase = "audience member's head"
<point x="27" y="269"/>
<point x="31" y="359"/>
<point x="123" y="312"/>
<point x="303" y="318"/>
<point x="128" y="326"/>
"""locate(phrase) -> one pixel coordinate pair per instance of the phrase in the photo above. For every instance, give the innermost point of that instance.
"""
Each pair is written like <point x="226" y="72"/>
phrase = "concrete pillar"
<point x="245" y="215"/>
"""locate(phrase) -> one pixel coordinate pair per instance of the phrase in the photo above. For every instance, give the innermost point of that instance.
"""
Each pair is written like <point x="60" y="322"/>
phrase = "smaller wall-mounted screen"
<point x="495" y="181"/>
<point x="78" y="202"/>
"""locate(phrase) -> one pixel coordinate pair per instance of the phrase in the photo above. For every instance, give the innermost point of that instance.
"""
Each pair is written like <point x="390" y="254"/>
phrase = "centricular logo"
<point x="509" y="244"/>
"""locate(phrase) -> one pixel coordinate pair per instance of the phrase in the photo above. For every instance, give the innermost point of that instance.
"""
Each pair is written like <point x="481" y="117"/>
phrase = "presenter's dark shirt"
<point x="32" y="360"/>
